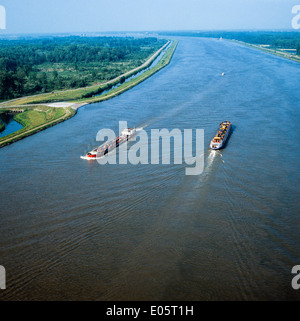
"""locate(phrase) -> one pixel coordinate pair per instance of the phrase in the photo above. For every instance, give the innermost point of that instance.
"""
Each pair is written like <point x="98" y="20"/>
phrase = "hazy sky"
<point x="32" y="16"/>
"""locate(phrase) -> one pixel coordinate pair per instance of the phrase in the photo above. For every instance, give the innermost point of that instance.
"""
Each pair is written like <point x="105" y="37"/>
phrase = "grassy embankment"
<point x="34" y="119"/>
<point x="33" y="123"/>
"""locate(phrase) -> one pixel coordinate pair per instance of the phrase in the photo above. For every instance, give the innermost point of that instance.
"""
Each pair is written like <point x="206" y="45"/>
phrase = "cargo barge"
<point x="107" y="147"/>
<point x="221" y="135"/>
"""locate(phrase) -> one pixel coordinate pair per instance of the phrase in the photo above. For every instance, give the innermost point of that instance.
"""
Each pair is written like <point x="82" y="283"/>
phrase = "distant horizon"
<point x="147" y="31"/>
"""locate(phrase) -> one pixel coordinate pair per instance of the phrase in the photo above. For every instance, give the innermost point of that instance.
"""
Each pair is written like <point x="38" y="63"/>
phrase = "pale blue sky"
<point x="47" y="16"/>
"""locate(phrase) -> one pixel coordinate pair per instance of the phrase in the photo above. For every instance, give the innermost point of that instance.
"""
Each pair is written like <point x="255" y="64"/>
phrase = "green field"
<point x="35" y="117"/>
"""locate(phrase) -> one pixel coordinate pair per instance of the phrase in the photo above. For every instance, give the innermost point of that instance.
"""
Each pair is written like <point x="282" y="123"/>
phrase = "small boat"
<point x="223" y="73"/>
<point x="107" y="147"/>
<point x="221" y="136"/>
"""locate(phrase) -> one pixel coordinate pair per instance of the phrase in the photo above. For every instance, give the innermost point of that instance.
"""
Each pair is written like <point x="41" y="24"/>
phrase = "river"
<point x="77" y="230"/>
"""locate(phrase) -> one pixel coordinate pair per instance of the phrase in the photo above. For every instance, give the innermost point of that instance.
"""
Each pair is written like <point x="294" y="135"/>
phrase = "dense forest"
<point x="276" y="39"/>
<point x="47" y="64"/>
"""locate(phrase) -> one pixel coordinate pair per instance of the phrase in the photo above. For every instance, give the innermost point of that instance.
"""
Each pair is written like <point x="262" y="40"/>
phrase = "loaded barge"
<point x="221" y="135"/>
<point x="107" y="147"/>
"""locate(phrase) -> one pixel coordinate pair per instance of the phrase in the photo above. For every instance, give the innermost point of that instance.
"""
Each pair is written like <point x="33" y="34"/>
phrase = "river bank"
<point x="71" y="100"/>
<point x="276" y="52"/>
<point x="34" y="119"/>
